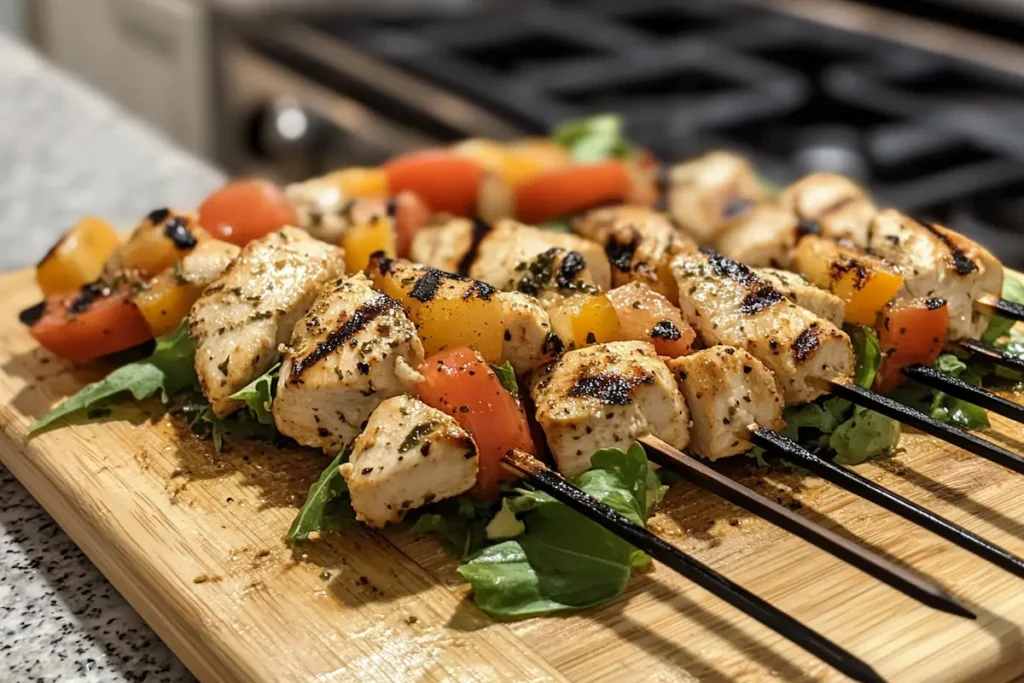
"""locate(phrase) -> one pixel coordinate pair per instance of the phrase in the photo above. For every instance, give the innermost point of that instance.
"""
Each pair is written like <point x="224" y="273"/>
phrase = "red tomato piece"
<point x="912" y="332"/>
<point x="568" y="191"/>
<point x="88" y="324"/>
<point x="411" y="214"/>
<point x="458" y="381"/>
<point x="446" y="182"/>
<point x="244" y="210"/>
<point x="646" y="315"/>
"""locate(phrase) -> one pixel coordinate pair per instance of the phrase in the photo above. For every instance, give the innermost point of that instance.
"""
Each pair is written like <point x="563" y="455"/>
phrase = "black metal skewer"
<point x="702" y="575"/>
<point x="956" y="387"/>
<point x="870" y="563"/>
<point x="995" y="355"/>
<point x="883" y="497"/>
<point x="927" y="424"/>
<point x="1001" y="307"/>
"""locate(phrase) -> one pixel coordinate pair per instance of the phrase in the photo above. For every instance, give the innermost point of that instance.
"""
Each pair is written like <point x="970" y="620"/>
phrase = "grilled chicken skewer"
<point x="352" y="360"/>
<point x="728" y="303"/>
<point x="908" y="260"/>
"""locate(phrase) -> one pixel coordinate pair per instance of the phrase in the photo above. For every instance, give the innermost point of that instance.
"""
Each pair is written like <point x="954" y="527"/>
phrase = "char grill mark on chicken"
<point x="831" y="205"/>
<point x="354" y="348"/>
<point x="728" y="303"/>
<point x="243" y="317"/>
<point x="639" y="243"/>
<point x="605" y="396"/>
<point x="709" y="195"/>
<point x="517" y="257"/>
<point x="800" y="291"/>
<point x="409" y="455"/>
<point x="938" y="263"/>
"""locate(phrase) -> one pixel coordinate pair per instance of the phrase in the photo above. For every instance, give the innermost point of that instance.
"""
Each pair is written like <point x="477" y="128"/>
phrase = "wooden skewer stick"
<point x="865" y="488"/>
<point x="698" y="473"/>
<point x="1001" y="307"/>
<point x="982" y="349"/>
<point x="956" y="387"/>
<point x="927" y="424"/>
<point x="561" y="490"/>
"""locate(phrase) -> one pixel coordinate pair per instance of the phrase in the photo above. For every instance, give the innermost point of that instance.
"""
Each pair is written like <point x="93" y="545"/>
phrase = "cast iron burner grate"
<point x="928" y="133"/>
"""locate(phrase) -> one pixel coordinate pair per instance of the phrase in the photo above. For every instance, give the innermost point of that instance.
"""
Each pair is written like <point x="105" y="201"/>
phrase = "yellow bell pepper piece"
<point x="78" y="258"/>
<point x="531" y="157"/>
<point x="866" y="297"/>
<point x="359" y="182"/>
<point x="360" y="241"/>
<point x="165" y="300"/>
<point x="162" y="238"/>
<point x="456" y="312"/>
<point x="586" y="319"/>
<point x="864" y="282"/>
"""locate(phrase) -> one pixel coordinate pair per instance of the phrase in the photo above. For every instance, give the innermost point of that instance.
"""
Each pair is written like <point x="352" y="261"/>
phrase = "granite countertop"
<point x="66" y="152"/>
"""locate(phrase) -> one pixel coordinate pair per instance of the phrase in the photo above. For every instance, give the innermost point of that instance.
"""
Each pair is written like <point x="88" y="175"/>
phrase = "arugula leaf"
<point x="865" y="435"/>
<point x="564" y="561"/>
<point x="460" y="524"/>
<point x="507" y="377"/>
<point x="168" y="370"/>
<point x="259" y="395"/>
<point x="243" y="424"/>
<point x="1013" y="290"/>
<point x="868" y="353"/>
<point x="594" y="138"/>
<point x="327" y="506"/>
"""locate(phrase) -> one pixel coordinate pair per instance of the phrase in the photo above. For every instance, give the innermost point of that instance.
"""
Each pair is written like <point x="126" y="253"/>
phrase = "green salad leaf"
<point x="563" y="561"/>
<point x="942" y="406"/>
<point x="594" y="138"/>
<point x="507" y="376"/>
<point x="168" y="370"/>
<point x="835" y="426"/>
<point x="459" y="523"/>
<point x="865" y="435"/>
<point x="327" y="506"/>
<point x="259" y="395"/>
<point x="869" y="355"/>
<point x="1013" y="290"/>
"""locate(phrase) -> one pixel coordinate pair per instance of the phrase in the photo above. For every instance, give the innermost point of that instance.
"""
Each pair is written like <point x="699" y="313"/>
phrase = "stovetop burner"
<point x="935" y="136"/>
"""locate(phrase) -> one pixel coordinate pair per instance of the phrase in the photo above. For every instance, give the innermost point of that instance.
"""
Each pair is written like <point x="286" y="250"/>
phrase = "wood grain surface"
<point x="194" y="540"/>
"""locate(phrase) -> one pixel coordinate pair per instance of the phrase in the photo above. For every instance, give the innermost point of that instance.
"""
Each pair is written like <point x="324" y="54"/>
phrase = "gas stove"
<point x="934" y="135"/>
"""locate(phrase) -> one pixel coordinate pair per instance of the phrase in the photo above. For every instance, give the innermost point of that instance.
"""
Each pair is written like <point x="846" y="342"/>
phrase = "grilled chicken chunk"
<point x="764" y="237"/>
<point x="605" y="396"/>
<point x="639" y="243"/>
<point x="709" y="195"/>
<point x="513" y="256"/>
<point x="728" y="303"/>
<point x="527" y="328"/>
<point x="324" y="211"/>
<point x="939" y="263"/>
<point x="207" y="261"/>
<point x="409" y="455"/>
<point x="726" y="390"/>
<point x="800" y="291"/>
<point x="831" y="204"/>
<point x="241" y="319"/>
<point x="448" y="243"/>
<point x="354" y="348"/>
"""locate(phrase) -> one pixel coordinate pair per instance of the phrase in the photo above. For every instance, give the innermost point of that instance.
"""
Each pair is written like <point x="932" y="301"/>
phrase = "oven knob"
<point x="283" y="128"/>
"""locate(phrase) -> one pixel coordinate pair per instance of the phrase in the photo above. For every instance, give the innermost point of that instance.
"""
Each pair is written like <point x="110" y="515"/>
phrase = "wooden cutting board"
<point x="193" y="540"/>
